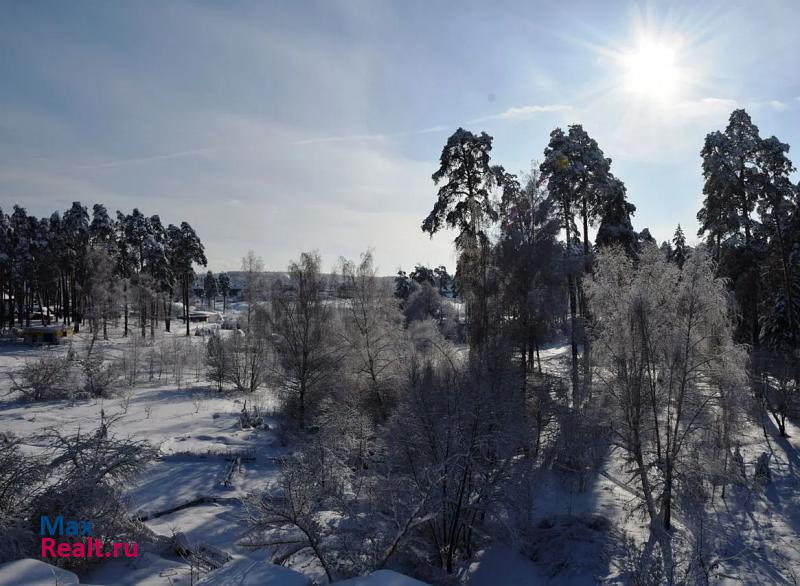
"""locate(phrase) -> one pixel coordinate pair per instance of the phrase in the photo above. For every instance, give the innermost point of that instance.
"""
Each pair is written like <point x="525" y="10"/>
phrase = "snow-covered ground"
<point x="194" y="428"/>
<point x="190" y="489"/>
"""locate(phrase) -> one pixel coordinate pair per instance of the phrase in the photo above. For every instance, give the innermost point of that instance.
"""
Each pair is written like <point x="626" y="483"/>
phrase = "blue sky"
<point x="290" y="126"/>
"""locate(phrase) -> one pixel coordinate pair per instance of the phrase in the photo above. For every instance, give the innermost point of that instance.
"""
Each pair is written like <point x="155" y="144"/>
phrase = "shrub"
<point x="45" y="378"/>
<point x="99" y="376"/>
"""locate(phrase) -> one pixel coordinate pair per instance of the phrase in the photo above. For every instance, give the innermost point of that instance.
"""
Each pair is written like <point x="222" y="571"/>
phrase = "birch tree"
<point x="668" y="365"/>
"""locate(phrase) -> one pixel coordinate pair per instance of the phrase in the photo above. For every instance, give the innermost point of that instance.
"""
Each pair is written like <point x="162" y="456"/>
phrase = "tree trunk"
<point x="142" y="312"/>
<point x="667" y="501"/>
<point x="186" y="285"/>
<point x="302" y="405"/>
<point x="585" y="214"/>
<point x="572" y="313"/>
<point x="787" y="284"/>
<point x="754" y="309"/>
<point x="167" y="310"/>
<point x="2" y="304"/>
<point x="573" y="341"/>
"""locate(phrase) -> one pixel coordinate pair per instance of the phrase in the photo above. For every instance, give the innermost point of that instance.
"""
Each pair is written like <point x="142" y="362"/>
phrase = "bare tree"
<point x="247" y="358"/>
<point x="775" y="378"/>
<point x="254" y="283"/>
<point x="456" y="440"/>
<point x="21" y="478"/>
<point x="102" y="291"/>
<point x="669" y="366"/>
<point x="217" y="360"/>
<point x="338" y="500"/>
<point x="372" y="330"/>
<point x="302" y="321"/>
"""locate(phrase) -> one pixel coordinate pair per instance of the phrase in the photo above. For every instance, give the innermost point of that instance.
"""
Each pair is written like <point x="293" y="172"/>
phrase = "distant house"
<point x="204" y="316"/>
<point x="46" y="334"/>
<point x="234" y="293"/>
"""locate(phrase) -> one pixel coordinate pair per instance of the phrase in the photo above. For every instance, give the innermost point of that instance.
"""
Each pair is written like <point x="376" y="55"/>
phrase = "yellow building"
<point x="46" y="334"/>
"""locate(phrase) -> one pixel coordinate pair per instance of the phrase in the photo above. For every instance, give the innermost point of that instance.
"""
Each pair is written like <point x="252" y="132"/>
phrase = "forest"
<point x="575" y="404"/>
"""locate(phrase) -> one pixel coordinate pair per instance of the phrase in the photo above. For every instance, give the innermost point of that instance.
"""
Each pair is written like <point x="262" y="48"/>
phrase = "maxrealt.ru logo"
<point x="78" y="541"/>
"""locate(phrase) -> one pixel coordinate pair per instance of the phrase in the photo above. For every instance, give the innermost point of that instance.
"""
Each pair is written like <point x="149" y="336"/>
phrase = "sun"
<point x="651" y="71"/>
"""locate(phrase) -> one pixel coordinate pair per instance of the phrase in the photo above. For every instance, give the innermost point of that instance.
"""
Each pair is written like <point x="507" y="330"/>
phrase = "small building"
<point x="46" y="334"/>
<point x="204" y="316"/>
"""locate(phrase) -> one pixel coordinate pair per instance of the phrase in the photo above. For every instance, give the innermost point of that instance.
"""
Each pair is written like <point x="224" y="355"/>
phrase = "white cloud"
<point x="778" y="106"/>
<point x="525" y="111"/>
<point x="513" y="113"/>
<point x="152" y="158"/>
<point x="369" y="137"/>
<point x="522" y="112"/>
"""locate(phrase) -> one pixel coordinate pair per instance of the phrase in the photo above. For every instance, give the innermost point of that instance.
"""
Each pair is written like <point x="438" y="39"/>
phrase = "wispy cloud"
<point x="704" y="107"/>
<point x="522" y="112"/>
<point x="369" y="137"/>
<point x="778" y="105"/>
<point x="160" y="157"/>
<point x="514" y="113"/>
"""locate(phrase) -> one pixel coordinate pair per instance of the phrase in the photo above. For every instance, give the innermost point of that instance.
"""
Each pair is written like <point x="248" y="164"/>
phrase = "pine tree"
<point x="731" y="188"/>
<point x="528" y="259"/>
<point x="680" y="251"/>
<point x="75" y="225"/>
<point x="403" y="285"/>
<point x="5" y="258"/>
<point x="423" y="274"/>
<point x="21" y="264"/>
<point x="184" y="250"/>
<point x="667" y="251"/>
<point x="210" y="288"/>
<point x="224" y="281"/>
<point x="102" y="229"/>
<point x="443" y="280"/>
<point x="644" y="238"/>
<point x="780" y="216"/>
<point x="465" y="202"/>
<point x="578" y="176"/>
<point x="615" y="219"/>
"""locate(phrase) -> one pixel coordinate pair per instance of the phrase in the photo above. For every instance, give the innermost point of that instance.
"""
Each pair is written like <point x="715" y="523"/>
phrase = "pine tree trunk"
<point x="10" y="309"/>
<point x="186" y="301"/>
<point x="142" y="312"/>
<point x="573" y="315"/>
<point x="754" y="309"/>
<point x="2" y="304"/>
<point x="787" y="284"/>
<point x="573" y="341"/>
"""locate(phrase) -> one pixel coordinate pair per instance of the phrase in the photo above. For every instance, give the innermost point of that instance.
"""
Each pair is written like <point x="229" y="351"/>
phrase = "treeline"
<point x="750" y="220"/>
<point x="75" y="267"/>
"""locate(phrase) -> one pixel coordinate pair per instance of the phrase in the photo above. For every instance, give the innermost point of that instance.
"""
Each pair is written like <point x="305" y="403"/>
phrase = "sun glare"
<point x="651" y="71"/>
